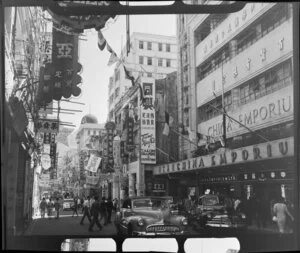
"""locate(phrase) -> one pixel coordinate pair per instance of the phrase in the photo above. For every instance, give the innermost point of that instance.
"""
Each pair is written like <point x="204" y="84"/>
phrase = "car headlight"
<point x="184" y="222"/>
<point x="243" y="216"/>
<point x="141" y="222"/>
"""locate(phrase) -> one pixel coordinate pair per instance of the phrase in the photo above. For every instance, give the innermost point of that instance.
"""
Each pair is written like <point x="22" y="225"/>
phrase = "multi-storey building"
<point x="240" y="63"/>
<point x="150" y="55"/>
<point x="88" y="131"/>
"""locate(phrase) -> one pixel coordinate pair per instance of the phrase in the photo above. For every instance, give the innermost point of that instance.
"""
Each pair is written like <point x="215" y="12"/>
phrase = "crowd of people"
<point x="94" y="210"/>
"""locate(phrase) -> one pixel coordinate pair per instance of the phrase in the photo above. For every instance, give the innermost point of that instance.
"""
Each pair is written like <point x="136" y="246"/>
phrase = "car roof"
<point x="208" y="195"/>
<point x="152" y="197"/>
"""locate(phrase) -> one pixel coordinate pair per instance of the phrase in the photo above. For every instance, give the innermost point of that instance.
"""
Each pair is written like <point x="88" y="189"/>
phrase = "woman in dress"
<point x="281" y="211"/>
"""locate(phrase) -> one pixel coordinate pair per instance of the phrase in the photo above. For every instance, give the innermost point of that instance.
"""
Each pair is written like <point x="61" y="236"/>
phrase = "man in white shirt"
<point x="87" y="209"/>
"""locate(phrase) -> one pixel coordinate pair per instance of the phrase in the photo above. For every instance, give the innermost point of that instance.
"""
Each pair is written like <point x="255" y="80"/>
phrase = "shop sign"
<point x="148" y="140"/>
<point x="133" y="167"/>
<point x="269" y="150"/>
<point x="47" y="149"/>
<point x="78" y="23"/>
<point x="218" y="179"/>
<point x="110" y="128"/>
<point x="93" y="163"/>
<point x="117" y="152"/>
<point x="264" y="112"/>
<point x="159" y="187"/>
<point x="46" y="161"/>
<point x="47" y="125"/>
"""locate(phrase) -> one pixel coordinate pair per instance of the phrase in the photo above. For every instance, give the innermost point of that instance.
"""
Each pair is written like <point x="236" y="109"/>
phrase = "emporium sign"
<point x="269" y="150"/>
<point x="266" y="111"/>
<point x="147" y="119"/>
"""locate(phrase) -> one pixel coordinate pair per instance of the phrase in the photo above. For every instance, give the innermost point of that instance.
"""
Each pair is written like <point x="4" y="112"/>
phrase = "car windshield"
<point x="149" y="203"/>
<point x="210" y="201"/>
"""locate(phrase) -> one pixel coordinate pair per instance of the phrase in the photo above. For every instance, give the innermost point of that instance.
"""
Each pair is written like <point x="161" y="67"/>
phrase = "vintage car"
<point x="211" y="212"/>
<point x="68" y="204"/>
<point x="149" y="216"/>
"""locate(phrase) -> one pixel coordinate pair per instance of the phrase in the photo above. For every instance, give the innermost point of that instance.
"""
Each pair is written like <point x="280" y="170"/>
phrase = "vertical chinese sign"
<point x="65" y="65"/>
<point x="148" y="140"/>
<point x="117" y="152"/>
<point x="110" y="128"/>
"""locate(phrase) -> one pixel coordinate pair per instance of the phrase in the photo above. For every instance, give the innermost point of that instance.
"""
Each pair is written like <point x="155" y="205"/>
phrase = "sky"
<point x="96" y="73"/>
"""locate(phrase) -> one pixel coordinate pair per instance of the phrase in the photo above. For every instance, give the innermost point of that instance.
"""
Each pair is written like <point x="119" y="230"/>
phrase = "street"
<point x="66" y="225"/>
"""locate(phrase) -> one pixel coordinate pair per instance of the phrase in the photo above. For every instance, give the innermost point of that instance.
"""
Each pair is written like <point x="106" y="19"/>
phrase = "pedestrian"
<point x="78" y="203"/>
<point x="281" y="212"/>
<point x="95" y="209"/>
<point x="115" y="204"/>
<point x="87" y="209"/>
<point x="57" y="207"/>
<point x="109" y="207"/>
<point x="82" y="207"/>
<point x="75" y="207"/>
<point x="43" y="206"/>
<point x="103" y="211"/>
<point x="50" y="208"/>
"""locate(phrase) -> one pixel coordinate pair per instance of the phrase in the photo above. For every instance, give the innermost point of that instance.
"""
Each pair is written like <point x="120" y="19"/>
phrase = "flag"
<point x="166" y="130"/>
<point x="101" y="40"/>
<point x="113" y="59"/>
<point x="129" y="76"/>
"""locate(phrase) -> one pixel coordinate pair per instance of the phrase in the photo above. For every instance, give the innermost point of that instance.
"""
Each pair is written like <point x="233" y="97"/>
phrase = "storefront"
<point x="266" y="170"/>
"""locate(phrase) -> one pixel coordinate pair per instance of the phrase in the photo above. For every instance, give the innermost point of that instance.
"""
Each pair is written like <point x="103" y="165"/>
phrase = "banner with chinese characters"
<point x="93" y="163"/>
<point x="110" y="128"/>
<point x="148" y="140"/>
<point x="92" y="179"/>
<point x="47" y="125"/>
<point x="65" y="64"/>
<point x="117" y="152"/>
<point x="82" y="159"/>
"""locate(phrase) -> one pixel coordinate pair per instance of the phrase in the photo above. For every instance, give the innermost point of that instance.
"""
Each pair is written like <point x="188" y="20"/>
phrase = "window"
<point x="149" y="60"/>
<point x="159" y="46"/>
<point x="160" y="62"/>
<point x="168" y="63"/>
<point x="141" y="60"/>
<point x="141" y="44"/>
<point x="168" y="47"/>
<point x="149" y="74"/>
<point x="95" y="132"/>
<point x="89" y="132"/>
<point x="149" y="45"/>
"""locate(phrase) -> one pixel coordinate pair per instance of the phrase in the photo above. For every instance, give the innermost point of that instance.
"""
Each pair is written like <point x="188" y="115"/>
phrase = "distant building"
<point x="151" y="55"/>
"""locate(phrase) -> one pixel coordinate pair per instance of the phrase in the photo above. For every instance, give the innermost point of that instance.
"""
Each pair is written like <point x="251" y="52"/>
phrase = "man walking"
<point x="86" y="211"/>
<point x="95" y="213"/>
<point x="110" y="207"/>
<point x="57" y="207"/>
<point x="43" y="206"/>
<point x="75" y="207"/>
<point x="103" y="211"/>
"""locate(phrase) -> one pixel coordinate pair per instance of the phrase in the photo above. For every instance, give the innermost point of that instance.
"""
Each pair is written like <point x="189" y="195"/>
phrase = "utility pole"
<point x="223" y="102"/>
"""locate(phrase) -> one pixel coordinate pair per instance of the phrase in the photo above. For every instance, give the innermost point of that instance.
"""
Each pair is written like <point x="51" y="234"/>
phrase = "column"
<point x="131" y="185"/>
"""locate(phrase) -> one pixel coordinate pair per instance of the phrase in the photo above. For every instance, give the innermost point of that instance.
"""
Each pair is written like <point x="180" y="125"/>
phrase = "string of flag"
<point x="102" y="43"/>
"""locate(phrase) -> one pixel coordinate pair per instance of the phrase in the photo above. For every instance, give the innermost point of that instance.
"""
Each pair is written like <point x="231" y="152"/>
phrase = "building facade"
<point x="150" y="55"/>
<point x="88" y="143"/>
<point x="241" y="63"/>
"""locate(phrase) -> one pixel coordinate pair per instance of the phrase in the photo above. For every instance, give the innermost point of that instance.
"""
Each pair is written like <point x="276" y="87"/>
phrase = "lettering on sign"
<point x="263" y="151"/>
<point x="258" y="113"/>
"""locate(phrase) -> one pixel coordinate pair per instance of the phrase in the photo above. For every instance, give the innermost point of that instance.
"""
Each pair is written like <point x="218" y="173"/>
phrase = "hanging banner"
<point x="92" y="180"/>
<point x="130" y="124"/>
<point x="148" y="140"/>
<point x="93" y="163"/>
<point x="117" y="152"/>
<point x="46" y="161"/>
<point x="110" y="127"/>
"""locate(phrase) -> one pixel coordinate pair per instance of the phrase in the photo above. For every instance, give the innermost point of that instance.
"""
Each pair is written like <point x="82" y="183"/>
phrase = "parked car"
<point x="213" y="213"/>
<point x="149" y="216"/>
<point x="68" y="204"/>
